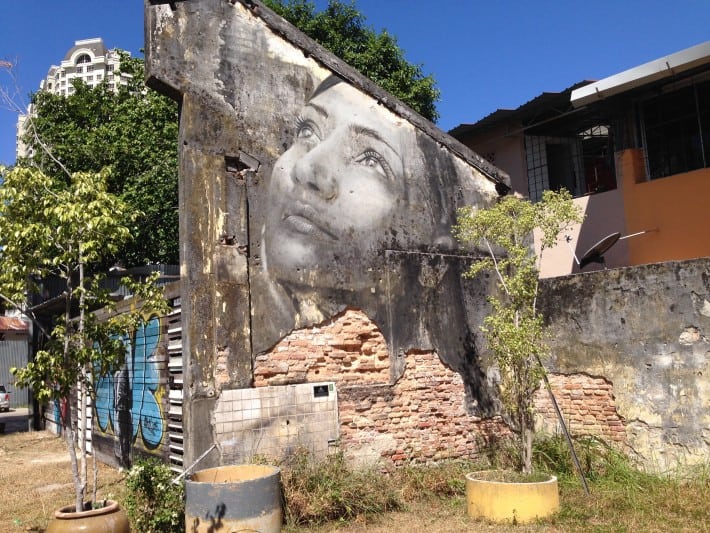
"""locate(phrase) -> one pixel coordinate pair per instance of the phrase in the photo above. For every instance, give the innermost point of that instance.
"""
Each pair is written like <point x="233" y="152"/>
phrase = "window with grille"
<point x="676" y="130"/>
<point x="583" y="163"/>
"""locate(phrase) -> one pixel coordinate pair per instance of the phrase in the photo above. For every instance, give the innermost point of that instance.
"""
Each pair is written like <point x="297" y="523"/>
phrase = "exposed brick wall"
<point x="421" y="417"/>
<point x="418" y="419"/>
<point x="587" y="406"/>
<point x="348" y="349"/>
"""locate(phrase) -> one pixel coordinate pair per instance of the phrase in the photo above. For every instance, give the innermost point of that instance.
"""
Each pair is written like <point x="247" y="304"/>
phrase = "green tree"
<point x="134" y="133"/>
<point x="64" y="228"/>
<point x="514" y="330"/>
<point x="341" y="29"/>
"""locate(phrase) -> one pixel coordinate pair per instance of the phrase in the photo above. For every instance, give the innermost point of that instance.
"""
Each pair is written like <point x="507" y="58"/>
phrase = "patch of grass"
<point x="623" y="497"/>
<point x="319" y="491"/>
<point x="36" y="480"/>
<point x="441" y="480"/>
<point x="328" y="496"/>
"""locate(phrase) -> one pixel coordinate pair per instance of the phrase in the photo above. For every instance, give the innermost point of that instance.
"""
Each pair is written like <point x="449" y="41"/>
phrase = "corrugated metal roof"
<point x="557" y="102"/>
<point x="13" y="324"/>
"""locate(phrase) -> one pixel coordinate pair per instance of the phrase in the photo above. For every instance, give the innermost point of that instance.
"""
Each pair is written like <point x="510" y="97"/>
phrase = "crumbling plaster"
<point x="240" y="83"/>
<point x="645" y="329"/>
<point x="243" y="77"/>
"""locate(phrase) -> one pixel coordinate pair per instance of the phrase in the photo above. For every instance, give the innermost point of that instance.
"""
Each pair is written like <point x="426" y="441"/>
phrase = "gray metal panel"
<point x="13" y="353"/>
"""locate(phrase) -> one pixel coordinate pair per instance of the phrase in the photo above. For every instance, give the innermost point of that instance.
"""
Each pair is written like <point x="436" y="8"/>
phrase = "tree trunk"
<point x="527" y="440"/>
<point x="70" y="440"/>
<point x="83" y="376"/>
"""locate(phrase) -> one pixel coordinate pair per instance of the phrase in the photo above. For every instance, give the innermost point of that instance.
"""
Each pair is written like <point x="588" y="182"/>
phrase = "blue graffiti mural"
<point x="128" y="402"/>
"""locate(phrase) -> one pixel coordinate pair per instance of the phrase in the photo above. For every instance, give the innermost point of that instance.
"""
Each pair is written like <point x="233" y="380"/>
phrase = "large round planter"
<point x="108" y="519"/>
<point x="234" y="498"/>
<point x="502" y="501"/>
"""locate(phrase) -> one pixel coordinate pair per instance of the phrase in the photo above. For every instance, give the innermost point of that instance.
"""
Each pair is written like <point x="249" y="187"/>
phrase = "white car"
<point x="4" y="399"/>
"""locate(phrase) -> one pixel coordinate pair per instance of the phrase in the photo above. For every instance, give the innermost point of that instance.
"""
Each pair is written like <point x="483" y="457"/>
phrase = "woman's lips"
<point x="304" y="219"/>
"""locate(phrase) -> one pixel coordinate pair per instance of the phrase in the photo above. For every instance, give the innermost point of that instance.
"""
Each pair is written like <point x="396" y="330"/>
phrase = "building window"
<point x="83" y="58"/>
<point x="110" y="68"/>
<point x="79" y="70"/>
<point x="583" y="164"/>
<point x="89" y="78"/>
<point x="89" y="68"/>
<point x="676" y="130"/>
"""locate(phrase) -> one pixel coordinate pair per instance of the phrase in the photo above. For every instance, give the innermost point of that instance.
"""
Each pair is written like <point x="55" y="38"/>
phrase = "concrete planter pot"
<point x="234" y="498"/>
<point x="108" y="519"/>
<point x="490" y="496"/>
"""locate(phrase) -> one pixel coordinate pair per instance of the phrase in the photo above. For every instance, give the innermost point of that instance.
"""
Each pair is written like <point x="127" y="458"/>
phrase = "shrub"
<point x="319" y="491"/>
<point x="154" y="503"/>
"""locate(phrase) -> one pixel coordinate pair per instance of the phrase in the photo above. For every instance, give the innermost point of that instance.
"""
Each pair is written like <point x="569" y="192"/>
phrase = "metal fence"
<point x="13" y="353"/>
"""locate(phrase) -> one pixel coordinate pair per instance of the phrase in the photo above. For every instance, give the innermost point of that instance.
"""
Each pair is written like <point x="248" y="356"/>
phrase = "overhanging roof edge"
<point x="635" y="77"/>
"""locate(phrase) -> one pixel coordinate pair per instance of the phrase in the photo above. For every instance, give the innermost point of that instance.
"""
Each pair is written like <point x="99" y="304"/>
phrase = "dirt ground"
<point x="35" y="478"/>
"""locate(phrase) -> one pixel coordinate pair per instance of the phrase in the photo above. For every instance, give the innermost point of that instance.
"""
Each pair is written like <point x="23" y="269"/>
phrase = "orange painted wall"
<point x="675" y="207"/>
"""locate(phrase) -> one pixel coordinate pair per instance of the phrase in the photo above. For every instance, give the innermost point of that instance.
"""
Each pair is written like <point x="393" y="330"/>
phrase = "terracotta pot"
<point x="108" y="519"/>
<point x="506" y="501"/>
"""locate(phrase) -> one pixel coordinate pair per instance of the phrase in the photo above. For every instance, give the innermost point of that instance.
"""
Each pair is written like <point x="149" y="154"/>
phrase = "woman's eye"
<point x="374" y="161"/>
<point x="305" y="129"/>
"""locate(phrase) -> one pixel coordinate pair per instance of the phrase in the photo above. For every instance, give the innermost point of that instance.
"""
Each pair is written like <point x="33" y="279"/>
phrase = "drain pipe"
<point x="189" y="468"/>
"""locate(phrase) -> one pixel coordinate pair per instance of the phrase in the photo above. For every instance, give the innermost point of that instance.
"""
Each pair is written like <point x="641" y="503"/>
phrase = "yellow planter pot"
<point x="108" y="519"/>
<point x="501" y="501"/>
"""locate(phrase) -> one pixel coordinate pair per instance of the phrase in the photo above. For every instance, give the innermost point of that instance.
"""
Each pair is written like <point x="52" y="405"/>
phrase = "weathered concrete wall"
<point x="645" y="331"/>
<point x="306" y="190"/>
<point x="315" y="218"/>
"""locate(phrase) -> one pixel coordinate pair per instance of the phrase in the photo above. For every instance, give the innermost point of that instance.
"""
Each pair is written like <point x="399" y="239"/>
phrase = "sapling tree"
<point x="65" y="228"/>
<point x="514" y="330"/>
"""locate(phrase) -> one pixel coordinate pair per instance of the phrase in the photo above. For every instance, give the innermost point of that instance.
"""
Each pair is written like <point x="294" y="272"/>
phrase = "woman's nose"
<point x="315" y="171"/>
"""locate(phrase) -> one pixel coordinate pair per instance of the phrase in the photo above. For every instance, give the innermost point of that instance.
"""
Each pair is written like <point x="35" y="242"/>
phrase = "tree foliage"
<point x="515" y="332"/>
<point x="341" y="29"/>
<point x="53" y="227"/>
<point x="134" y="133"/>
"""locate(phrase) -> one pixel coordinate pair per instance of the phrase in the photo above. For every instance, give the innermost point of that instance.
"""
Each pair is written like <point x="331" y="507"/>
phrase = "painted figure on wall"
<point x="360" y="208"/>
<point x="128" y="402"/>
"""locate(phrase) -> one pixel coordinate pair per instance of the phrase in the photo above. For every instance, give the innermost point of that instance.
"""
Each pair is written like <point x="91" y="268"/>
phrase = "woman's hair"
<point x="326" y="84"/>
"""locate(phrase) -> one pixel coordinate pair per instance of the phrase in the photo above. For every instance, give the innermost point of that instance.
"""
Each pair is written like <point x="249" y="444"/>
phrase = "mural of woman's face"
<point x="334" y="192"/>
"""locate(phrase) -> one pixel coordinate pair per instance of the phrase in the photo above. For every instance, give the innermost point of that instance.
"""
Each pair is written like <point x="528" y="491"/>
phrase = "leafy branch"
<point x="515" y="332"/>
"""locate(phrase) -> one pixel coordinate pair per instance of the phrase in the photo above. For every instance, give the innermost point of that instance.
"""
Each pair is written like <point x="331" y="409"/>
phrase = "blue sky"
<point x="484" y="54"/>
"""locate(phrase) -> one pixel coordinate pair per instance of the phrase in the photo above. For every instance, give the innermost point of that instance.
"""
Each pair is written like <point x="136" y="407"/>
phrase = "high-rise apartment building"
<point x="89" y="61"/>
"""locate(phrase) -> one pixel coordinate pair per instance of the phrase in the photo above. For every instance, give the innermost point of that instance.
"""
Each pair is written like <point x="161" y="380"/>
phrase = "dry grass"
<point x="35" y="480"/>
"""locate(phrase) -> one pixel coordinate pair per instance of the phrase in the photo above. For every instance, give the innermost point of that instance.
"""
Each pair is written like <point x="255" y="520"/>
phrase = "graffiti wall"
<point x="129" y="408"/>
<point x="132" y="410"/>
<point x="306" y="190"/>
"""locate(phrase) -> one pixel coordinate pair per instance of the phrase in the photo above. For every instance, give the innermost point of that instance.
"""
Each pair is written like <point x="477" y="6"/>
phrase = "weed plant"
<point x="316" y="492"/>
<point x="154" y="503"/>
